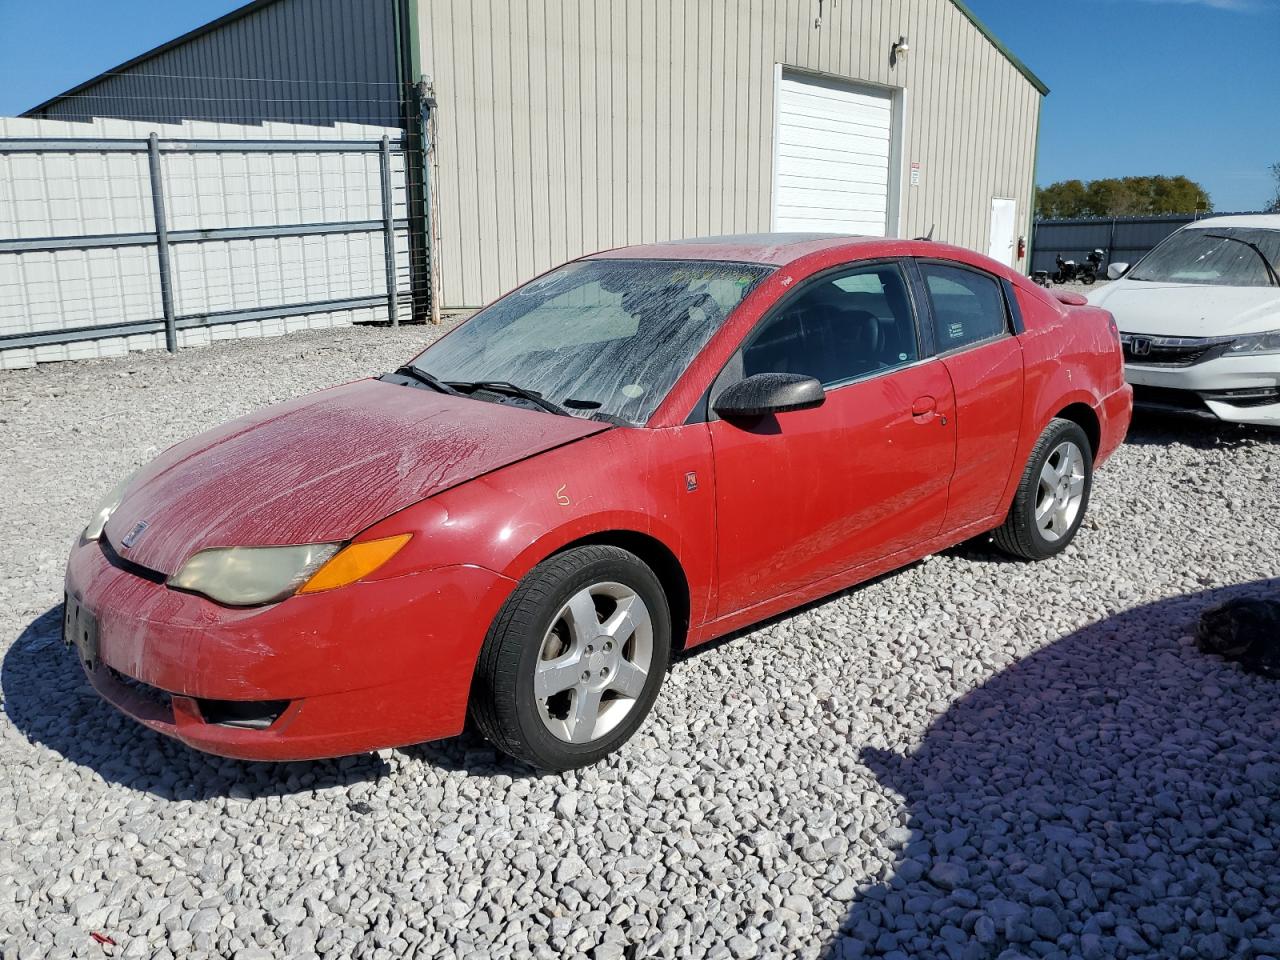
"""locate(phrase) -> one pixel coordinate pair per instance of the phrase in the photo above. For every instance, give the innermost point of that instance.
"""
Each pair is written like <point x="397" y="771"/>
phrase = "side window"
<point x="847" y="325"/>
<point x="967" y="306"/>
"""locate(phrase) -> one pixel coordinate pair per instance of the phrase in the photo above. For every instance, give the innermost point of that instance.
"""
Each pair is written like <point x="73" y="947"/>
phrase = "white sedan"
<point x="1199" y="318"/>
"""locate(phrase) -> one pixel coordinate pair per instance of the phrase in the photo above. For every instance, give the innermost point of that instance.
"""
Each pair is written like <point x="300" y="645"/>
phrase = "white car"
<point x="1199" y="318"/>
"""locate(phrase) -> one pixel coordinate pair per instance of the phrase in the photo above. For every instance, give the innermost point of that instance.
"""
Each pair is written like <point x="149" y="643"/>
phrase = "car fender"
<point x="1069" y="359"/>
<point x="652" y="483"/>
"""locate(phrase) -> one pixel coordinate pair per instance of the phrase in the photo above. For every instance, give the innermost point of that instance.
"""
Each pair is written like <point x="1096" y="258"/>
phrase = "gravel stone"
<point x="967" y="759"/>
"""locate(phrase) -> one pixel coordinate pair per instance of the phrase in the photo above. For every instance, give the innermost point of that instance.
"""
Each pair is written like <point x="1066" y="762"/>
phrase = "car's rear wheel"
<point x="1052" y="495"/>
<point x="573" y="661"/>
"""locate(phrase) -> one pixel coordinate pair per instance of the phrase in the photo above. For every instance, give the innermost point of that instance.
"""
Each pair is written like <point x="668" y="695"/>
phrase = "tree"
<point x="1275" y="201"/>
<point x="1122" y="197"/>
<point x="1061" y="200"/>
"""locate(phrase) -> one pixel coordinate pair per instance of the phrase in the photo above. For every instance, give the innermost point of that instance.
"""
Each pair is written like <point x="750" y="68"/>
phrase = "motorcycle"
<point x="1071" y="272"/>
<point x="1066" y="272"/>
<point x="1089" y="272"/>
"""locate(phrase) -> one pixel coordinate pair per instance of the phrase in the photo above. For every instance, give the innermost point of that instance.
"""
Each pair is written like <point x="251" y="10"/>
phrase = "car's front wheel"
<point x="1052" y="495"/>
<point x="573" y="661"/>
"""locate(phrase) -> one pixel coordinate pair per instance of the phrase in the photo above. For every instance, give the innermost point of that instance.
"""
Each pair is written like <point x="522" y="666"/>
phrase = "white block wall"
<point x="82" y="194"/>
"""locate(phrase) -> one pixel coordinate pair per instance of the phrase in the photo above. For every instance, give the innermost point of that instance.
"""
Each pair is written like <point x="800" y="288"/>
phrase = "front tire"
<point x="1052" y="495"/>
<point x="573" y="662"/>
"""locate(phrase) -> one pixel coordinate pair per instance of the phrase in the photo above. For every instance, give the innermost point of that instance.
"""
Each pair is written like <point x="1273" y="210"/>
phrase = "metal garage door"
<point x="831" y="169"/>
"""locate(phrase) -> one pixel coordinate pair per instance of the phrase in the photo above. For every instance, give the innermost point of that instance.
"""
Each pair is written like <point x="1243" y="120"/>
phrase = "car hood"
<point x="1189" y="310"/>
<point x="322" y="468"/>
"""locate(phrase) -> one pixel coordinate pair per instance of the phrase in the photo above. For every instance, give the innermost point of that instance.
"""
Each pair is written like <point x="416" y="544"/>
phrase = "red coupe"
<point x="630" y="455"/>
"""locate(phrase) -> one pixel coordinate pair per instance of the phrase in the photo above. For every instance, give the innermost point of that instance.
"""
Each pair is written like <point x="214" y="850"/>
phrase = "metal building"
<point x="560" y="127"/>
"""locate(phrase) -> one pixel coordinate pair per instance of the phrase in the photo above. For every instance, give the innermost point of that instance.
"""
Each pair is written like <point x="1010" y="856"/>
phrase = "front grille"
<point x="1163" y="398"/>
<point x="1170" y="351"/>
<point x="143" y="691"/>
<point x="249" y="714"/>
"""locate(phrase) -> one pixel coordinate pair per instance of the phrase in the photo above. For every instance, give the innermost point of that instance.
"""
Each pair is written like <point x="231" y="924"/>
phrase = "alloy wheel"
<point x="593" y="663"/>
<point x="1061" y="491"/>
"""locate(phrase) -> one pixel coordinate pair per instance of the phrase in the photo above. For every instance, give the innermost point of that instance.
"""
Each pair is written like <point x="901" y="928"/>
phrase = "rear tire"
<point x="1052" y="495"/>
<point x="573" y="662"/>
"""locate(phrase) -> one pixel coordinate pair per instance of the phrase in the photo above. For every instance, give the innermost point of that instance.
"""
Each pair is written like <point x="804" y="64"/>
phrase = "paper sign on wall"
<point x="915" y="173"/>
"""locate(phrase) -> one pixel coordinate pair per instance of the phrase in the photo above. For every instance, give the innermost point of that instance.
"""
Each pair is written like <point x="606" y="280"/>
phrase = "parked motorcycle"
<point x="1041" y="277"/>
<point x="1093" y="266"/>
<point x="1066" y="272"/>
<point x="1071" y="272"/>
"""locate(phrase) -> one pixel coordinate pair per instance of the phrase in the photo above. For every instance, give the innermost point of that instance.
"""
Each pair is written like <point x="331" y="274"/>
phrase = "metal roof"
<point x="212" y="25"/>
<point x="255" y="5"/>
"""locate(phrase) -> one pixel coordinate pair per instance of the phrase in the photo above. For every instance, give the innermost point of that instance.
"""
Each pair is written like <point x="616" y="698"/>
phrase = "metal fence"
<point x="1122" y="239"/>
<point x="132" y="243"/>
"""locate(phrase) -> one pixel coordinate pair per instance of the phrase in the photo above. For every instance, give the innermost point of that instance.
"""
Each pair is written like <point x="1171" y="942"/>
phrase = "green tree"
<point x="1122" y="197"/>
<point x="1061" y="200"/>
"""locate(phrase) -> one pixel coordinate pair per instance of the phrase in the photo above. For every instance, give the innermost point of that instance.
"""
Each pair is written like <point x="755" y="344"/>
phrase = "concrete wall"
<point x="568" y="126"/>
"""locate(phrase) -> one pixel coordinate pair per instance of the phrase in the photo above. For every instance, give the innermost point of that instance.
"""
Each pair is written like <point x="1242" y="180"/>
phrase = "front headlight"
<point x="1254" y="345"/>
<point x="249" y="576"/>
<point x="246" y="576"/>
<point x="106" y="506"/>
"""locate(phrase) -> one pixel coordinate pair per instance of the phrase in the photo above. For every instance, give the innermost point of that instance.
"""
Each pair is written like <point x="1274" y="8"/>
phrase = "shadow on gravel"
<point x="1115" y="794"/>
<point x="48" y="699"/>
<point x="1160" y="430"/>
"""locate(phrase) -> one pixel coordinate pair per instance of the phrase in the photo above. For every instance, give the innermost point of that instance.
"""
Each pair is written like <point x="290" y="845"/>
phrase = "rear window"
<point x="968" y="307"/>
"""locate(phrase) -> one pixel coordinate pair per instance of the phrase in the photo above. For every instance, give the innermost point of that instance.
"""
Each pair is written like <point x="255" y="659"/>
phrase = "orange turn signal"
<point x="354" y="561"/>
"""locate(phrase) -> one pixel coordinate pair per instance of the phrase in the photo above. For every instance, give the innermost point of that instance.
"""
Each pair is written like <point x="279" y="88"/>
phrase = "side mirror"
<point x="767" y="393"/>
<point x="1117" y="270"/>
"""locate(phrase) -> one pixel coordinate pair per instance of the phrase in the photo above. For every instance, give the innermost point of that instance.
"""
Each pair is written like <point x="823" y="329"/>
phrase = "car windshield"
<point x="601" y="338"/>
<point x="1202" y="255"/>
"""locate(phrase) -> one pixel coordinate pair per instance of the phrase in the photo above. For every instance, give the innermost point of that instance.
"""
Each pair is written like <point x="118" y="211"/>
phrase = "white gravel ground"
<point x="969" y="758"/>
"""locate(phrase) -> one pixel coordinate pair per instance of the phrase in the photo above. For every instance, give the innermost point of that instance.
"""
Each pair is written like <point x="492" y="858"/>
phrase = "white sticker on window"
<point x="956" y="331"/>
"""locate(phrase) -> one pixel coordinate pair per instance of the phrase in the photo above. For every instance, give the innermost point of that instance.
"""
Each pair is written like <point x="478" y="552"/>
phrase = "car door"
<point x="972" y="316"/>
<point x="804" y="495"/>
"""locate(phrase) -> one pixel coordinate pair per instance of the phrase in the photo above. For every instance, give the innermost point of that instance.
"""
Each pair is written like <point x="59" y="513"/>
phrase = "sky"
<point x="1137" y="86"/>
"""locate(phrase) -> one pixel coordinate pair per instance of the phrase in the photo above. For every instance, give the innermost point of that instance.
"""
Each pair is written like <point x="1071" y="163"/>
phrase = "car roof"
<point x="767" y="248"/>
<point x="1266" y="221"/>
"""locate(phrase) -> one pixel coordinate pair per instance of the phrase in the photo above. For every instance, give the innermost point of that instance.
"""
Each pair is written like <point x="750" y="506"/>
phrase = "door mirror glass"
<point x="1117" y="270"/>
<point x="766" y="393"/>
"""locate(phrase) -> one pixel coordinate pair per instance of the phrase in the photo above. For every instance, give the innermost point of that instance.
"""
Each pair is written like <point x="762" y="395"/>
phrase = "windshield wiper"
<point x="1272" y="277"/>
<point x="511" y="389"/>
<point x="414" y="373"/>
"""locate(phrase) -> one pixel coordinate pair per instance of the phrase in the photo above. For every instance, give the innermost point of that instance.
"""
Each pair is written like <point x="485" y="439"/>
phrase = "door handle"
<point x="923" y="406"/>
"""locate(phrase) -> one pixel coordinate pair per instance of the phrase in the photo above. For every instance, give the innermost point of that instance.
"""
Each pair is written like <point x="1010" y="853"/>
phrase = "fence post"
<point x="162" y="243"/>
<point x="388" y="230"/>
<point x="427" y="103"/>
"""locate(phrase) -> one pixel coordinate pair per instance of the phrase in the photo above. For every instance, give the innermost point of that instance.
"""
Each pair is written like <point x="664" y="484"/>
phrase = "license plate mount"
<point x="80" y="630"/>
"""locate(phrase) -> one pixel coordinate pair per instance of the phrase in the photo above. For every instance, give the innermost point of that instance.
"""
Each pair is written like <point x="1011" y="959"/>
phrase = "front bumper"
<point x="1234" y="389"/>
<point x="376" y="664"/>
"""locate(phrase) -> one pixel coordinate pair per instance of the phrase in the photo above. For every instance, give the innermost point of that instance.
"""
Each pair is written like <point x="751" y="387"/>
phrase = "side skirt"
<point x="713" y="629"/>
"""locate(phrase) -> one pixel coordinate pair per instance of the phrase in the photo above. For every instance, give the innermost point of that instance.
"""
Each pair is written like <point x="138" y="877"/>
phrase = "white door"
<point x="831" y="163"/>
<point x="1004" y="225"/>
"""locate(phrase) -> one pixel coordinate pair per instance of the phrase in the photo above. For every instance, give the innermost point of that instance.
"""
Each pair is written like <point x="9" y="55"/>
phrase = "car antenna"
<point x="927" y="236"/>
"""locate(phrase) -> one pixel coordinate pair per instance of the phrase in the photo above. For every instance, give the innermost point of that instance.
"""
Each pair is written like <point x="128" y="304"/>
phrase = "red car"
<point x="632" y="454"/>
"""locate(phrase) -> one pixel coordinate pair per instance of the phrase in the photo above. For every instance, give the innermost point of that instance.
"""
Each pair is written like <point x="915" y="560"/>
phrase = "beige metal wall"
<point x="568" y="126"/>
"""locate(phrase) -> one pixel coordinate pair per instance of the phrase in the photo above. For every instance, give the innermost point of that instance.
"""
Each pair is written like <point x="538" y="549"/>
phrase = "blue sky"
<point x="1138" y="86"/>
